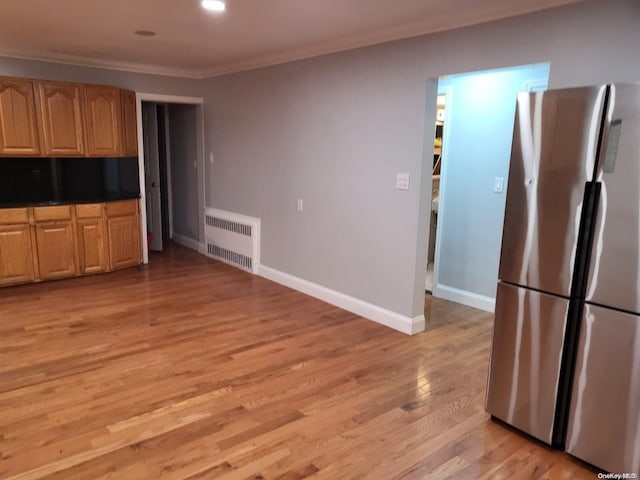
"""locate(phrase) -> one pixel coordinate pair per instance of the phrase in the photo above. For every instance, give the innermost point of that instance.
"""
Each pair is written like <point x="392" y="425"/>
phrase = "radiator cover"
<point x="233" y="238"/>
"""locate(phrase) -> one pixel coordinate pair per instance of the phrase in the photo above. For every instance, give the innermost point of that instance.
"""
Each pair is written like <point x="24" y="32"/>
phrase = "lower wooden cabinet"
<point x="124" y="241"/>
<point x="16" y="255"/>
<point x="56" y="250"/>
<point x="46" y="243"/>
<point x="92" y="250"/>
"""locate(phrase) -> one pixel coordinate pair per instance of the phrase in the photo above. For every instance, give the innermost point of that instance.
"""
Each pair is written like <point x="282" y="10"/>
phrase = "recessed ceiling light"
<point x="214" y="5"/>
<point x="145" y="33"/>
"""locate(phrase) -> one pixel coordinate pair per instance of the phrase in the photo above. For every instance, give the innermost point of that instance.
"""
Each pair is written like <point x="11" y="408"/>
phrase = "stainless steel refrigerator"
<point x="565" y="359"/>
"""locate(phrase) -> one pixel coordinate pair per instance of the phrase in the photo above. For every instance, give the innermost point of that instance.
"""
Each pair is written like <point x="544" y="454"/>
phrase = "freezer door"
<point x="526" y="353"/>
<point x="553" y="155"/>
<point x="615" y="264"/>
<point x="604" y="420"/>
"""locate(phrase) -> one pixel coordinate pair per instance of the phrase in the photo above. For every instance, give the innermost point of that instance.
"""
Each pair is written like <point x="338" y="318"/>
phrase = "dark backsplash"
<point x="35" y="181"/>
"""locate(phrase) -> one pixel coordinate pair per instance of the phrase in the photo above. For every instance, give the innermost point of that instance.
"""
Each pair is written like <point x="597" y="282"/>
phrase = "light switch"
<point x="210" y="158"/>
<point x="402" y="181"/>
<point x="300" y="205"/>
<point x="498" y="186"/>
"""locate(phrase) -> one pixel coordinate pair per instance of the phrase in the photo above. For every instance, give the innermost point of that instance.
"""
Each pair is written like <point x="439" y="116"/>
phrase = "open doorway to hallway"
<point x="470" y="177"/>
<point x="170" y="143"/>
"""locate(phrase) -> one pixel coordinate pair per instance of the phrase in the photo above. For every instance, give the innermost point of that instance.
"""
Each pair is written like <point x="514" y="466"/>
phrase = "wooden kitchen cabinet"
<point x="16" y="255"/>
<point x="60" y="241"/>
<point x="91" y="230"/>
<point x="61" y="115"/>
<point x="103" y="110"/>
<point x="129" y="123"/>
<point x="41" y="118"/>
<point x="56" y="249"/>
<point x="19" y="132"/>
<point x="123" y="226"/>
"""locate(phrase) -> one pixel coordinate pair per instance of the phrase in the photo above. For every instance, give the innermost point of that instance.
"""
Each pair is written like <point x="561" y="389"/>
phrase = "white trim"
<point x="367" y="310"/>
<point x="464" y="297"/>
<point x="159" y="98"/>
<point x="82" y="61"/>
<point x="535" y="85"/>
<point x="143" y="187"/>
<point x="188" y="242"/>
<point x="448" y="91"/>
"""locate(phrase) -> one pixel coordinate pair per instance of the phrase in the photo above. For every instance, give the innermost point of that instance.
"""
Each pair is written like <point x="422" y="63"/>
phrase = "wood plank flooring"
<point x="190" y="369"/>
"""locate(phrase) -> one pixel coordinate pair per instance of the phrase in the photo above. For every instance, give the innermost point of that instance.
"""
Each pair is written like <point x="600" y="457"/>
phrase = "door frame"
<point x="448" y="91"/>
<point x="154" y="148"/>
<point x="159" y="98"/>
<point x="167" y="154"/>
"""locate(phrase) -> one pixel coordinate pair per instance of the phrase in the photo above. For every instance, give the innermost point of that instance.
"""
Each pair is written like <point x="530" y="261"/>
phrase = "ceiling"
<point x="191" y="42"/>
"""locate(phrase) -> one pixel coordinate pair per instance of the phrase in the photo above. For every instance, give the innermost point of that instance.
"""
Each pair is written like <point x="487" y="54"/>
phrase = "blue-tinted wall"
<point x="477" y="146"/>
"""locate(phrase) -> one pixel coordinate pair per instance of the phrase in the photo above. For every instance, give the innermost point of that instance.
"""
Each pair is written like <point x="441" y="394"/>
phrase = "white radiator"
<point x="232" y="238"/>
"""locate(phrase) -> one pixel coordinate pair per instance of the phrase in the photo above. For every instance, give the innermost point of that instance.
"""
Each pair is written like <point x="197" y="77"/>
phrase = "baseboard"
<point x="470" y="299"/>
<point x="189" y="243"/>
<point x="364" y="309"/>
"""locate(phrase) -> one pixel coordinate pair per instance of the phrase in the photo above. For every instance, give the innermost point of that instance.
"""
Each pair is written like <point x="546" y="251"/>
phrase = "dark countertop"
<point x="68" y="202"/>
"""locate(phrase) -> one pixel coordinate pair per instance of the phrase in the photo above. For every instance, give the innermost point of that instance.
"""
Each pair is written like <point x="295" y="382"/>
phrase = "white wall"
<point x="335" y="130"/>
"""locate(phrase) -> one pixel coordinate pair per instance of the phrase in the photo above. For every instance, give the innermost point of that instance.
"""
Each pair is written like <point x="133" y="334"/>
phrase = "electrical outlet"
<point x="402" y="181"/>
<point x="300" y="205"/>
<point x="498" y="186"/>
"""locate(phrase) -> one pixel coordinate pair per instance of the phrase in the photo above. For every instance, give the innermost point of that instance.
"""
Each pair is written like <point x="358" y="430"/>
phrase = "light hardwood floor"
<point x="190" y="369"/>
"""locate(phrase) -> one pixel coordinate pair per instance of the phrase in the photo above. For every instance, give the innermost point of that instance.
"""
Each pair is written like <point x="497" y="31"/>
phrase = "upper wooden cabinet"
<point x="59" y="119"/>
<point x="62" y="123"/>
<point x="19" y="133"/>
<point x="129" y="123"/>
<point x="103" y="112"/>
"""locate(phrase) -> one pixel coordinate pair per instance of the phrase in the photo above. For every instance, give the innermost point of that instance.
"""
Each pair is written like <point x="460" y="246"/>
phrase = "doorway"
<point x="171" y="162"/>
<point x="475" y="115"/>
<point x="159" y="204"/>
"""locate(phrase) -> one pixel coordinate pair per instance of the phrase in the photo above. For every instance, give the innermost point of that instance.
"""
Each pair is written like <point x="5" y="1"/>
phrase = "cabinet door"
<point x="129" y="123"/>
<point x="16" y="255"/>
<point x="56" y="250"/>
<point x="91" y="245"/>
<point x="124" y="241"/>
<point x="104" y="120"/>
<point x="61" y="113"/>
<point x="18" y="119"/>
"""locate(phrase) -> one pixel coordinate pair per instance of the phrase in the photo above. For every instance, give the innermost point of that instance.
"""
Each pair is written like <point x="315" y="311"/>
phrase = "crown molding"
<point x="414" y="29"/>
<point x="80" y="61"/>
<point x="407" y="31"/>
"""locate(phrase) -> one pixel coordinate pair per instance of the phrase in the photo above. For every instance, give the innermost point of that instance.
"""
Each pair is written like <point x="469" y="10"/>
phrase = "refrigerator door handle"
<point x="591" y="202"/>
<point x="592" y="191"/>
